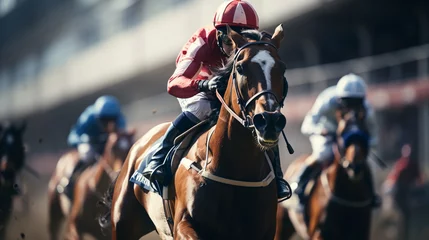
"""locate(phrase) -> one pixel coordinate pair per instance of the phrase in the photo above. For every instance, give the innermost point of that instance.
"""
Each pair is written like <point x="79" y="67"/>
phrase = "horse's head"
<point x="118" y="146"/>
<point x="12" y="149"/>
<point x="257" y="86"/>
<point x="352" y="138"/>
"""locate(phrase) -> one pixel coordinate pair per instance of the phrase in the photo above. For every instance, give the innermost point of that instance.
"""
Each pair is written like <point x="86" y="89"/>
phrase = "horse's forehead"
<point x="263" y="56"/>
<point x="266" y="62"/>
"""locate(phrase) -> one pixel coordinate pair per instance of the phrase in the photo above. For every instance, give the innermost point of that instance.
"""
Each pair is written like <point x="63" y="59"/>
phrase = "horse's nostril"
<point x="269" y="121"/>
<point x="280" y="122"/>
<point x="259" y="121"/>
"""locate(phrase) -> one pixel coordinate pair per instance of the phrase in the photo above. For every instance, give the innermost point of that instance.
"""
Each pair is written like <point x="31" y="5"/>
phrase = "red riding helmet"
<point x="236" y="13"/>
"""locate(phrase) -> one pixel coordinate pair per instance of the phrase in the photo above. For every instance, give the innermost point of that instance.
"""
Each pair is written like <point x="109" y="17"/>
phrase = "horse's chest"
<point x="230" y="211"/>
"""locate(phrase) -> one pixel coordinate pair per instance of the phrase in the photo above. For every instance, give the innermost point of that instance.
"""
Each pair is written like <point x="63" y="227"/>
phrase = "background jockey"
<point x="208" y="48"/>
<point x="320" y="125"/>
<point x="407" y="166"/>
<point x="90" y="133"/>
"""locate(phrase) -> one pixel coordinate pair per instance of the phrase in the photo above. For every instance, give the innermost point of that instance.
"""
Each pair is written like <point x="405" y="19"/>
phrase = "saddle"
<point x="68" y="184"/>
<point x="171" y="163"/>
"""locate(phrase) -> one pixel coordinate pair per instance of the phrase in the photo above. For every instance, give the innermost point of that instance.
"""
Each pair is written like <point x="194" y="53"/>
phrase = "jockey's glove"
<point x="212" y="84"/>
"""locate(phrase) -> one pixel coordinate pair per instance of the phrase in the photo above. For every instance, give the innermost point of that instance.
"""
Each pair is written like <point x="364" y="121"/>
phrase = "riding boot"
<point x="304" y="177"/>
<point x="154" y="168"/>
<point x="283" y="189"/>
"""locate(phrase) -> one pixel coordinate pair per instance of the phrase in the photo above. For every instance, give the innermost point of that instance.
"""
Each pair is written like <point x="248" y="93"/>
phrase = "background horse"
<point x="404" y="179"/>
<point x="93" y="182"/>
<point x="339" y="205"/>
<point x="234" y="195"/>
<point x="12" y="160"/>
<point x="58" y="203"/>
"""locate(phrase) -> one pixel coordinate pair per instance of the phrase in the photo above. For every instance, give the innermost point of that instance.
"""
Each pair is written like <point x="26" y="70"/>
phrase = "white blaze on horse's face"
<point x="266" y="61"/>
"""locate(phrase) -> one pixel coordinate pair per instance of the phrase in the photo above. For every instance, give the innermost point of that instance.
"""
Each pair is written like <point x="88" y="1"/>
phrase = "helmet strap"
<point x="220" y="45"/>
<point x="223" y="32"/>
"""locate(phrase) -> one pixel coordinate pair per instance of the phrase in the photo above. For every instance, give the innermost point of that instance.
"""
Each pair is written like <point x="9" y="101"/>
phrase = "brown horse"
<point x="12" y="157"/>
<point x="91" y="185"/>
<point x="339" y="204"/>
<point x="223" y="185"/>
<point x="88" y="184"/>
<point x="404" y="178"/>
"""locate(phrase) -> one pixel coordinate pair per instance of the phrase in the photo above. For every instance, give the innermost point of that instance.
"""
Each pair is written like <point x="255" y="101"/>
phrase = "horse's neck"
<point x="352" y="190"/>
<point x="234" y="150"/>
<point x="101" y="176"/>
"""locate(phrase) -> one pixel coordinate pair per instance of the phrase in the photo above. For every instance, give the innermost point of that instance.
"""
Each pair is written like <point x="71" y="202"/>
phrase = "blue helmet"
<point x="107" y="106"/>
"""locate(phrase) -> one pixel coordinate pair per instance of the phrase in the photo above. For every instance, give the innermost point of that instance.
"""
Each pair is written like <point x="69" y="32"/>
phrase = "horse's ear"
<point x="236" y="38"/>
<point x="277" y="36"/>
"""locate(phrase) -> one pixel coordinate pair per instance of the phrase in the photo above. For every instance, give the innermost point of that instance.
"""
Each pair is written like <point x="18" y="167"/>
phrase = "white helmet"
<point x="351" y="86"/>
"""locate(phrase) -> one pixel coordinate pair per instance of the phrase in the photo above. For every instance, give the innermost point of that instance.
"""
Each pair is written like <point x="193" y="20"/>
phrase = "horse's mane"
<point x="225" y="70"/>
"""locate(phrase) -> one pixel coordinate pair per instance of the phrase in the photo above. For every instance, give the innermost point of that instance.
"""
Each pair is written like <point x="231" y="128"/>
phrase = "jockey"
<point x="407" y="166"/>
<point x="208" y="47"/>
<point x="320" y="125"/>
<point x="90" y="133"/>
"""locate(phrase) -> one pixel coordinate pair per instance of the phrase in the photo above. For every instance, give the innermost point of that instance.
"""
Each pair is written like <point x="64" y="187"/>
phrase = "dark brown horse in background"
<point x="224" y="185"/>
<point x="339" y="204"/>
<point x="88" y="189"/>
<point x="12" y="160"/>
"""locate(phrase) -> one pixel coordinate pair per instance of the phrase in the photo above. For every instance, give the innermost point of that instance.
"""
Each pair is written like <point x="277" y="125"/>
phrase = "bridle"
<point x="246" y="119"/>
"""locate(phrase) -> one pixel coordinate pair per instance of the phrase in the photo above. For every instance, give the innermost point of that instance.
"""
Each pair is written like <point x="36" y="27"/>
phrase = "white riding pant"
<point x="322" y="148"/>
<point x="200" y="105"/>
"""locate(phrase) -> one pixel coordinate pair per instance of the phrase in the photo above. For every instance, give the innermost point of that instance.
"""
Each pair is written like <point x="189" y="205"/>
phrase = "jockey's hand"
<point x="324" y="132"/>
<point x="212" y="84"/>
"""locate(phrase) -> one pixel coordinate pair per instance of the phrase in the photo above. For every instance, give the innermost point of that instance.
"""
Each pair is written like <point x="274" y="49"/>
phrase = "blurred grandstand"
<point x="57" y="56"/>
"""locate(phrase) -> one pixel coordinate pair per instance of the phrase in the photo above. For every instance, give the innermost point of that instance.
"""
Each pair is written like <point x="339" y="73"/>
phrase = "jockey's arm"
<point x="73" y="138"/>
<point x="311" y="124"/>
<point x="184" y="82"/>
<point x="79" y="129"/>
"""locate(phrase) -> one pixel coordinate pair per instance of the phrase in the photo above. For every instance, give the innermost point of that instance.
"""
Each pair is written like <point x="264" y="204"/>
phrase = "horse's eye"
<point x="239" y="69"/>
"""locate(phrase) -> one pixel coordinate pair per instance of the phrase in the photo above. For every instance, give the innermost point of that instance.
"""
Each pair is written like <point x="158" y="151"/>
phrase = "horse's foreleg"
<point x="5" y="212"/>
<point x="184" y="229"/>
<point x="56" y="216"/>
<point x="72" y="232"/>
<point x="129" y="219"/>
<point x="80" y="193"/>
<point x="285" y="228"/>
